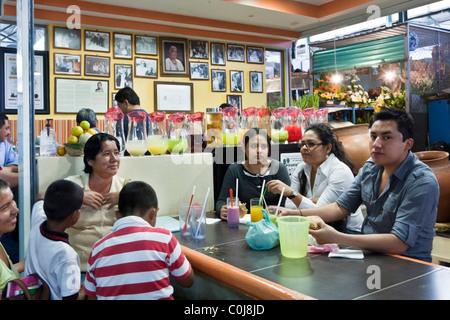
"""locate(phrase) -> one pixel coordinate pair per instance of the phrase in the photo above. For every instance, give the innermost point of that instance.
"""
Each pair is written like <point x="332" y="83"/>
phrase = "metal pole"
<point x="25" y="117"/>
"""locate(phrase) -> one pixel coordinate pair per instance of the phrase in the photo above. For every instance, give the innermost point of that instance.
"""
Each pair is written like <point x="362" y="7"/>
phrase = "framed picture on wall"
<point x="174" y="57"/>
<point x="122" y="46"/>
<point x="235" y="53"/>
<point x="255" y="55"/>
<point x="218" y="80"/>
<point x="9" y="97"/>
<point x="145" y="45"/>
<point x="96" y="41"/>
<point x="235" y="101"/>
<point x="93" y="93"/>
<point x="145" y="67"/>
<point x="174" y="96"/>
<point x="66" y="38"/>
<point x="198" y="49"/>
<point x="199" y="70"/>
<point x="236" y="81"/>
<point x="256" y="81"/>
<point x="96" y="66"/>
<point x="69" y="64"/>
<point x="218" y="54"/>
<point x="123" y="76"/>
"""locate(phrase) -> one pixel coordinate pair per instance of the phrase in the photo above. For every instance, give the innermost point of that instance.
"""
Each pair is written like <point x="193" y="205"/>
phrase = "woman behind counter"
<point x="252" y="172"/>
<point x="101" y="193"/>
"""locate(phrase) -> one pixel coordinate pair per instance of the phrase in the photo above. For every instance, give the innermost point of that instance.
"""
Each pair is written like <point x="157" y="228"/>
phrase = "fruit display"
<point x="78" y="138"/>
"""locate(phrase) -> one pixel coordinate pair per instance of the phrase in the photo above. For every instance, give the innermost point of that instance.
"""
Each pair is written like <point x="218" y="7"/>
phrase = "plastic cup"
<point x="182" y="211"/>
<point x="255" y="210"/>
<point x="198" y="223"/>
<point x="233" y="212"/>
<point x="293" y="236"/>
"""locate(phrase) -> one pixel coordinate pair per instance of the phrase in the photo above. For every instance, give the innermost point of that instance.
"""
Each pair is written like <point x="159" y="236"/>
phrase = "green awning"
<point x="360" y="55"/>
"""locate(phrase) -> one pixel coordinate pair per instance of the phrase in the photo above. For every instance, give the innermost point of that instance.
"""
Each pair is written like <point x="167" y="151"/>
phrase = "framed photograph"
<point x="9" y="98"/>
<point x="123" y="76"/>
<point x="235" y="101"/>
<point x="256" y="81"/>
<point x="145" y="68"/>
<point x="122" y="46"/>
<point x="96" y="41"/>
<point x="145" y="45"/>
<point x="255" y="55"/>
<point x="235" y="53"/>
<point x="69" y="64"/>
<point x="218" y="54"/>
<point x="174" y="97"/>
<point x="96" y="66"/>
<point x="66" y="38"/>
<point x="218" y="82"/>
<point x="174" y="57"/>
<point x="70" y="93"/>
<point x="199" y="70"/>
<point x="236" y="81"/>
<point x="198" y="49"/>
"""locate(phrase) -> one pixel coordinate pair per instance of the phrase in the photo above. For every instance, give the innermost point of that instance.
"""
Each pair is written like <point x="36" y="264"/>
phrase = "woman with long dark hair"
<point x="326" y="171"/>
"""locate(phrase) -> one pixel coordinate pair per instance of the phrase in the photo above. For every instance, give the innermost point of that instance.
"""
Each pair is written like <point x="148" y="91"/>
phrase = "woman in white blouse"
<point x="324" y="174"/>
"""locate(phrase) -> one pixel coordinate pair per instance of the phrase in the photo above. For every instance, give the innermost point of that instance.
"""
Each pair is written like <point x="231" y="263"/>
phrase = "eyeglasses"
<point x="308" y="144"/>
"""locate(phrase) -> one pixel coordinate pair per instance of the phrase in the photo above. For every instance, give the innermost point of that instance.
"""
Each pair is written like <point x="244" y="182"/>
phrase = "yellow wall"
<point x="203" y="95"/>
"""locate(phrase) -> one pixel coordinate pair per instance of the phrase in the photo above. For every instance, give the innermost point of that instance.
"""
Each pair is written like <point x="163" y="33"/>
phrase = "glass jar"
<point x="136" y="144"/>
<point x="213" y="133"/>
<point x="114" y="126"/>
<point x="230" y="126"/>
<point x="196" y="142"/>
<point x="177" y="133"/>
<point x="293" y="124"/>
<point x="278" y="133"/>
<point x="157" y="138"/>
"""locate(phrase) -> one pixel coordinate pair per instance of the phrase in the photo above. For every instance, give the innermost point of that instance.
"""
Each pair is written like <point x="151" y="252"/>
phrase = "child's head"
<point x="138" y="198"/>
<point x="62" y="198"/>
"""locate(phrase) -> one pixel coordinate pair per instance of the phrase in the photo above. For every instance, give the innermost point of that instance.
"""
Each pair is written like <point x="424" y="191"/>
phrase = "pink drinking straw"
<point x="189" y="209"/>
<point x="231" y="197"/>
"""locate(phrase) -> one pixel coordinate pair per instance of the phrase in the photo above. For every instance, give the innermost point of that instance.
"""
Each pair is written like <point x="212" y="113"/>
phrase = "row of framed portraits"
<point x="174" y="53"/>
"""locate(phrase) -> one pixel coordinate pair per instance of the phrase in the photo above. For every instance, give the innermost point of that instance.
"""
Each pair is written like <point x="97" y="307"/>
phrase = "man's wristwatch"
<point x="293" y="194"/>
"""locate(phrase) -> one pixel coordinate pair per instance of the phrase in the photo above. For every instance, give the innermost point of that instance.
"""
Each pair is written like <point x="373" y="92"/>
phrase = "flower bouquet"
<point x="326" y="90"/>
<point x="356" y="95"/>
<point x="389" y="99"/>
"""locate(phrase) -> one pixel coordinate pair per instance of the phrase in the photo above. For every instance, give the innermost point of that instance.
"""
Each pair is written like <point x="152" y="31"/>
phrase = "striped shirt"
<point x="134" y="262"/>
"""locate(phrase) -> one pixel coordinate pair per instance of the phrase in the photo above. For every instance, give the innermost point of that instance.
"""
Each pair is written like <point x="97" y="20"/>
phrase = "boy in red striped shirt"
<point x="135" y="260"/>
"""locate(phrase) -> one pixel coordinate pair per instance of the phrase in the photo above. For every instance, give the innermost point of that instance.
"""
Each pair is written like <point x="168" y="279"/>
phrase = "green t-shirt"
<point x="7" y="274"/>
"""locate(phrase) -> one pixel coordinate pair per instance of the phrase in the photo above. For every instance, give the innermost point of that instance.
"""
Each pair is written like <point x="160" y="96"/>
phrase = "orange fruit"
<point x="72" y="139"/>
<point x="92" y="131"/>
<point x="61" y="150"/>
<point x="77" y="131"/>
<point x="85" y="125"/>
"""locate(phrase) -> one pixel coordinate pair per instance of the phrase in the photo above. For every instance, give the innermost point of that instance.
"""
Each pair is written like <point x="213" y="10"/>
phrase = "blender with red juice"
<point x="196" y="142"/>
<point x="157" y="139"/>
<point x="230" y="126"/>
<point x="278" y="133"/>
<point x="114" y="126"/>
<point x="177" y="133"/>
<point x="263" y="119"/>
<point x="293" y="124"/>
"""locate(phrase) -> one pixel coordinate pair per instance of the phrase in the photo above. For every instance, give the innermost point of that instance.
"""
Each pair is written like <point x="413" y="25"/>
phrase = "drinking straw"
<point x="279" y="201"/>
<point x="262" y="190"/>
<point x="189" y="209"/>
<point x="203" y="213"/>
<point x="231" y="197"/>
<point x="237" y="186"/>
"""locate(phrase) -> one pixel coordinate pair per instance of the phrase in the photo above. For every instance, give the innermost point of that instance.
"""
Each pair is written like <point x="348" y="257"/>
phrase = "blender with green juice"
<point x="278" y="133"/>
<point x="157" y="139"/>
<point x="177" y="133"/>
<point x="230" y="126"/>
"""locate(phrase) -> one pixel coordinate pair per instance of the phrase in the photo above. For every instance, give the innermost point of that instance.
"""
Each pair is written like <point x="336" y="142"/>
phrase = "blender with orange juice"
<point x="278" y="133"/>
<point x="157" y="139"/>
<point x="248" y="120"/>
<point x="177" y="132"/>
<point x="136" y="144"/>
<point x="293" y="124"/>
<point x="230" y="126"/>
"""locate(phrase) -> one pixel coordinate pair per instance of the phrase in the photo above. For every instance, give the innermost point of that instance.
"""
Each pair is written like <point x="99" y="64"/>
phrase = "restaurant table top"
<point x="376" y="276"/>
